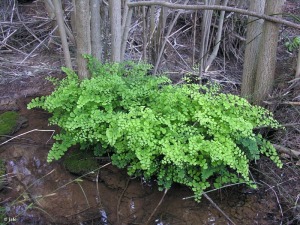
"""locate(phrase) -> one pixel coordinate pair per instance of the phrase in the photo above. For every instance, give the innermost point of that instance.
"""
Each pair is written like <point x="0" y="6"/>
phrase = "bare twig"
<point x="215" y="7"/>
<point x="120" y="199"/>
<point x="154" y="211"/>
<point x="218" y="208"/>
<point x="280" y="208"/>
<point x="27" y="133"/>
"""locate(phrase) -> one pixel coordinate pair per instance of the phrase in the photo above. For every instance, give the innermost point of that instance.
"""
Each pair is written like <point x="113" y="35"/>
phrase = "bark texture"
<point x="83" y="37"/>
<point x="62" y="31"/>
<point x="253" y="39"/>
<point x="96" y="41"/>
<point x="267" y="54"/>
<point x="116" y="29"/>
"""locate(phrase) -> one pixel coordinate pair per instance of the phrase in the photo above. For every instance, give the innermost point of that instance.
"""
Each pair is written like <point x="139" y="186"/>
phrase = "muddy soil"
<point x="41" y="193"/>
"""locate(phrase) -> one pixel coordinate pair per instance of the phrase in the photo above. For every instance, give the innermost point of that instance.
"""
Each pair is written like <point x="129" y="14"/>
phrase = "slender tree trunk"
<point x="205" y="31"/>
<point x="73" y="18"/>
<point x="253" y="39"/>
<point x="61" y="26"/>
<point x="105" y="26"/>
<point x="152" y="39"/>
<point x="145" y="33"/>
<point x="215" y="51"/>
<point x="83" y="37"/>
<point x="267" y="54"/>
<point x="116" y="29"/>
<point x="96" y="40"/>
<point x="125" y="29"/>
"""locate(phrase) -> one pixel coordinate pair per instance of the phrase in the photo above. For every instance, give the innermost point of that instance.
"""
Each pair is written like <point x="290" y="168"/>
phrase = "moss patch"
<point x="81" y="162"/>
<point x="8" y="122"/>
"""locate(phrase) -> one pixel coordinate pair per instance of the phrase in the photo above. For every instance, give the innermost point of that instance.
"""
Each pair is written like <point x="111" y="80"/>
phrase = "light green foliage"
<point x="291" y="45"/>
<point x="187" y="134"/>
<point x="8" y="122"/>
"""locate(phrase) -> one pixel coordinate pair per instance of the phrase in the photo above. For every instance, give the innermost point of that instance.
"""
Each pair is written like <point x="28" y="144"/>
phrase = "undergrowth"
<point x="188" y="134"/>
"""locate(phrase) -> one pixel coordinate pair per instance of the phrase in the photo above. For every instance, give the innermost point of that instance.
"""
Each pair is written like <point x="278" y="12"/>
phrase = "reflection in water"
<point x="103" y="217"/>
<point x="132" y="208"/>
<point x="159" y="222"/>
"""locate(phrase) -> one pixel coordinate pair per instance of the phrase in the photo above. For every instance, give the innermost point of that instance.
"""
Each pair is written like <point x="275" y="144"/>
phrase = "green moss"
<point x="8" y="122"/>
<point x="81" y="162"/>
<point x="2" y="215"/>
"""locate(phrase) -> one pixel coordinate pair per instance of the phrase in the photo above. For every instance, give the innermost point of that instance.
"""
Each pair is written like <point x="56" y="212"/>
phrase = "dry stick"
<point x="27" y="133"/>
<point x="119" y="201"/>
<point x="283" y="103"/>
<point x="38" y="46"/>
<point x="179" y="55"/>
<point x="218" y="208"/>
<point x="161" y="200"/>
<point x="162" y="48"/>
<point x="216" y="7"/>
<point x="66" y="184"/>
<point x="272" y="188"/>
<point x="98" y="199"/>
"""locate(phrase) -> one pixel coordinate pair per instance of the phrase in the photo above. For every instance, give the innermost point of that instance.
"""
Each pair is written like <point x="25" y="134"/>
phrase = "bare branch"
<point x="216" y="7"/>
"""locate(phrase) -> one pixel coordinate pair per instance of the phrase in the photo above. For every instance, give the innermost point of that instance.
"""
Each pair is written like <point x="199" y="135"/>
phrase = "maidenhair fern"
<point x="155" y="129"/>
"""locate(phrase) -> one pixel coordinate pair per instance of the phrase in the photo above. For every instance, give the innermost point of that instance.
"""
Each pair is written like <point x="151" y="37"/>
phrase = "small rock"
<point x="11" y="122"/>
<point x="7" y="104"/>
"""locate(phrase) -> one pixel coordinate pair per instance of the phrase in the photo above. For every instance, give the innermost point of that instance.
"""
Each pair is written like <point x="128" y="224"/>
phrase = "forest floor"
<point x="57" y="195"/>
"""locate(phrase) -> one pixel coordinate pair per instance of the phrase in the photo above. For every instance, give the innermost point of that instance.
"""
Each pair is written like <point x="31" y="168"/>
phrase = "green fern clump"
<point x="154" y="129"/>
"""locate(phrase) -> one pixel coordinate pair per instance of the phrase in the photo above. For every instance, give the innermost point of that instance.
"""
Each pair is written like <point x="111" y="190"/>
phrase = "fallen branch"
<point x="218" y="208"/>
<point x="27" y="133"/>
<point x="286" y="150"/>
<point x="216" y="7"/>
<point x="119" y="201"/>
<point x="282" y="103"/>
<point x="161" y="200"/>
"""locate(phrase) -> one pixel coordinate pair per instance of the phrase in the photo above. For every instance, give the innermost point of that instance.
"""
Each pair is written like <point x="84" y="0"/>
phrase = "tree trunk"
<point x="253" y="39"/>
<point x="205" y="33"/>
<point x="267" y="54"/>
<point x="96" y="41"/>
<point x="125" y="29"/>
<point x="62" y="32"/>
<point x="215" y="51"/>
<point x="116" y="29"/>
<point x="83" y="37"/>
